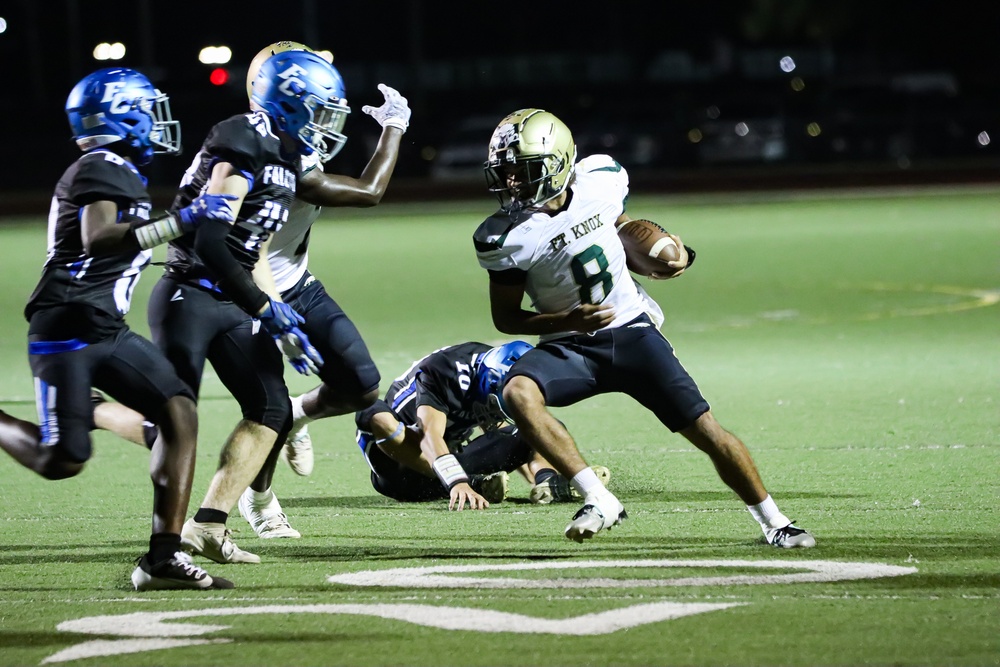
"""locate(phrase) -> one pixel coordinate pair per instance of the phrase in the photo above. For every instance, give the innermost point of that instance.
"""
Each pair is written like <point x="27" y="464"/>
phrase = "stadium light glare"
<point x="215" y="55"/>
<point x="742" y="129"/>
<point x="102" y="51"/>
<point x="694" y="135"/>
<point x="797" y="84"/>
<point x="787" y="64"/>
<point x="983" y="138"/>
<point x="116" y="51"/>
<point x="813" y="129"/>
<point x="3" y="24"/>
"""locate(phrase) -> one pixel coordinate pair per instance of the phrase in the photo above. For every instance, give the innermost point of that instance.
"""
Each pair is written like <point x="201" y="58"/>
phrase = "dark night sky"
<point x="48" y="44"/>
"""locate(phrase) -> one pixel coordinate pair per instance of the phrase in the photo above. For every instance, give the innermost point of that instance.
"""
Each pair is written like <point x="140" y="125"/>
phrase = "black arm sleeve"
<point x="234" y="281"/>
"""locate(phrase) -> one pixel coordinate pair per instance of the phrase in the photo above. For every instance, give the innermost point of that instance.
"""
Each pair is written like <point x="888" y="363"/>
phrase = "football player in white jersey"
<point x="555" y="239"/>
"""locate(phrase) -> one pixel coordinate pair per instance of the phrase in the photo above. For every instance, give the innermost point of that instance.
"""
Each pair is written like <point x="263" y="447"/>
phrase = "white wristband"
<point x="397" y="123"/>
<point x="449" y="471"/>
<point x="158" y="232"/>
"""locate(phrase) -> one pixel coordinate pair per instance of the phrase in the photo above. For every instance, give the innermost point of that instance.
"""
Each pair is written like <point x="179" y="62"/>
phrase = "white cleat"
<point x="598" y="513"/>
<point x="790" y="537"/>
<point x="212" y="541"/>
<point x="266" y="519"/>
<point x="298" y="452"/>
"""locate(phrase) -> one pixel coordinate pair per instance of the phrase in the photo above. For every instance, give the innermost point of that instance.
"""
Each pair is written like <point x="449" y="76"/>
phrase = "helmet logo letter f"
<point x="112" y="95"/>
<point x="292" y="84"/>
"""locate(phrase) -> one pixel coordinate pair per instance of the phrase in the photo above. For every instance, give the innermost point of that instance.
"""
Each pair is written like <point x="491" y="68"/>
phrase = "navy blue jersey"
<point x="79" y="296"/>
<point x="441" y="380"/>
<point x="248" y="142"/>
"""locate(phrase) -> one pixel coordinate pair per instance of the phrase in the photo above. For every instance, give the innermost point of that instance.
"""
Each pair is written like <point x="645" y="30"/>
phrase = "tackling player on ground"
<point x="555" y="239"/>
<point x="419" y="441"/>
<point x="100" y="236"/>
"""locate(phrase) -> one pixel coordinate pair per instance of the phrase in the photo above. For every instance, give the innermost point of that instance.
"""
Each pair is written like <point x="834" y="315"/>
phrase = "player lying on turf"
<point x="555" y="238"/>
<point x="419" y="441"/>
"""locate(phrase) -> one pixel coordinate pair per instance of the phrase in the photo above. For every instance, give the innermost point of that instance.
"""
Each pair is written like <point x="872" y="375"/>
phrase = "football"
<point x="648" y="248"/>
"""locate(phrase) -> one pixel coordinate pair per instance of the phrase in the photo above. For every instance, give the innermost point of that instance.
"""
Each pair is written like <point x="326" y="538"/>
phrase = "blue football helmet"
<point x="489" y="372"/>
<point x="305" y="96"/>
<point x="120" y="104"/>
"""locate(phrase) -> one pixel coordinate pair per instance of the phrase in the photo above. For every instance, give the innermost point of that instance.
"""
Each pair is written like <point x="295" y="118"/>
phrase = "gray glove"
<point x="394" y="112"/>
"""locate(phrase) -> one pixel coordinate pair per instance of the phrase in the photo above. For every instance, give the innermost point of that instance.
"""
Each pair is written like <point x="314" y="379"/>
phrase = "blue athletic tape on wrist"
<point x="449" y="471"/>
<point x="395" y="434"/>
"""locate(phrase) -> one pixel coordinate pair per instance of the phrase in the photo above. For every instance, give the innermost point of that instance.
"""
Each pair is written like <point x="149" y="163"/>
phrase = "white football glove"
<point x="303" y="357"/>
<point x="394" y="112"/>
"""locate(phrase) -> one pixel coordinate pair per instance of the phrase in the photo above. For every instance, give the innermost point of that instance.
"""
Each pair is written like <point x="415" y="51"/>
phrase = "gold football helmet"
<point x="264" y="54"/>
<point x="531" y="160"/>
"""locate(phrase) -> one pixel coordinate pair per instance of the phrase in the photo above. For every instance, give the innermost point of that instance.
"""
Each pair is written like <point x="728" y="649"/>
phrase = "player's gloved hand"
<point x="303" y="357"/>
<point x="279" y="318"/>
<point x="394" y="112"/>
<point x="207" y="207"/>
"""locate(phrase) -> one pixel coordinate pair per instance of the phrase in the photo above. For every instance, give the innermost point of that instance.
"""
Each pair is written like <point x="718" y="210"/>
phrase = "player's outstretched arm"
<point x="321" y="189"/>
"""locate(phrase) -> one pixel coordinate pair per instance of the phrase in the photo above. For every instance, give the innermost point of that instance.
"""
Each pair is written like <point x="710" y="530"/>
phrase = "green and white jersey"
<point x="572" y="257"/>
<point x="288" y="253"/>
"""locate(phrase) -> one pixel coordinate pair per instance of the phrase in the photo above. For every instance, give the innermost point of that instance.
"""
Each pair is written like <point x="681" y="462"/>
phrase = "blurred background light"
<point x="215" y="55"/>
<point x="787" y="64"/>
<point x="219" y="76"/>
<point x="742" y="129"/>
<point x="983" y="138"/>
<point x="106" y="51"/>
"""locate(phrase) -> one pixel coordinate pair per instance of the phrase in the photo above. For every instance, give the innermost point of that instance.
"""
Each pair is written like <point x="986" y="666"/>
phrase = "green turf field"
<point x="852" y="340"/>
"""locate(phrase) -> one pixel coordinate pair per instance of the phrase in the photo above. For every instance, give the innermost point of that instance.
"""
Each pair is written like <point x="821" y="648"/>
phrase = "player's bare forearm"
<point x="321" y="189"/>
<point x="585" y="318"/>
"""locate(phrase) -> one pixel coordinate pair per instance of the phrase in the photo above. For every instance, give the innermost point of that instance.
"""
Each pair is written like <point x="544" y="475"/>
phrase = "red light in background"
<point x="219" y="76"/>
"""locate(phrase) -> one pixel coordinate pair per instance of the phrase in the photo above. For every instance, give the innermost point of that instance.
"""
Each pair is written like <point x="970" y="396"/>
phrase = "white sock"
<point x="768" y="515"/>
<point x="587" y="482"/>
<point x="262" y="497"/>
<point x="299" y="416"/>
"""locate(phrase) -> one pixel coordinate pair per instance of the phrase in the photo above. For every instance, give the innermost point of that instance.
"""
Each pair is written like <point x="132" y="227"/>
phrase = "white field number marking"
<point x="817" y="571"/>
<point x="149" y="631"/>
